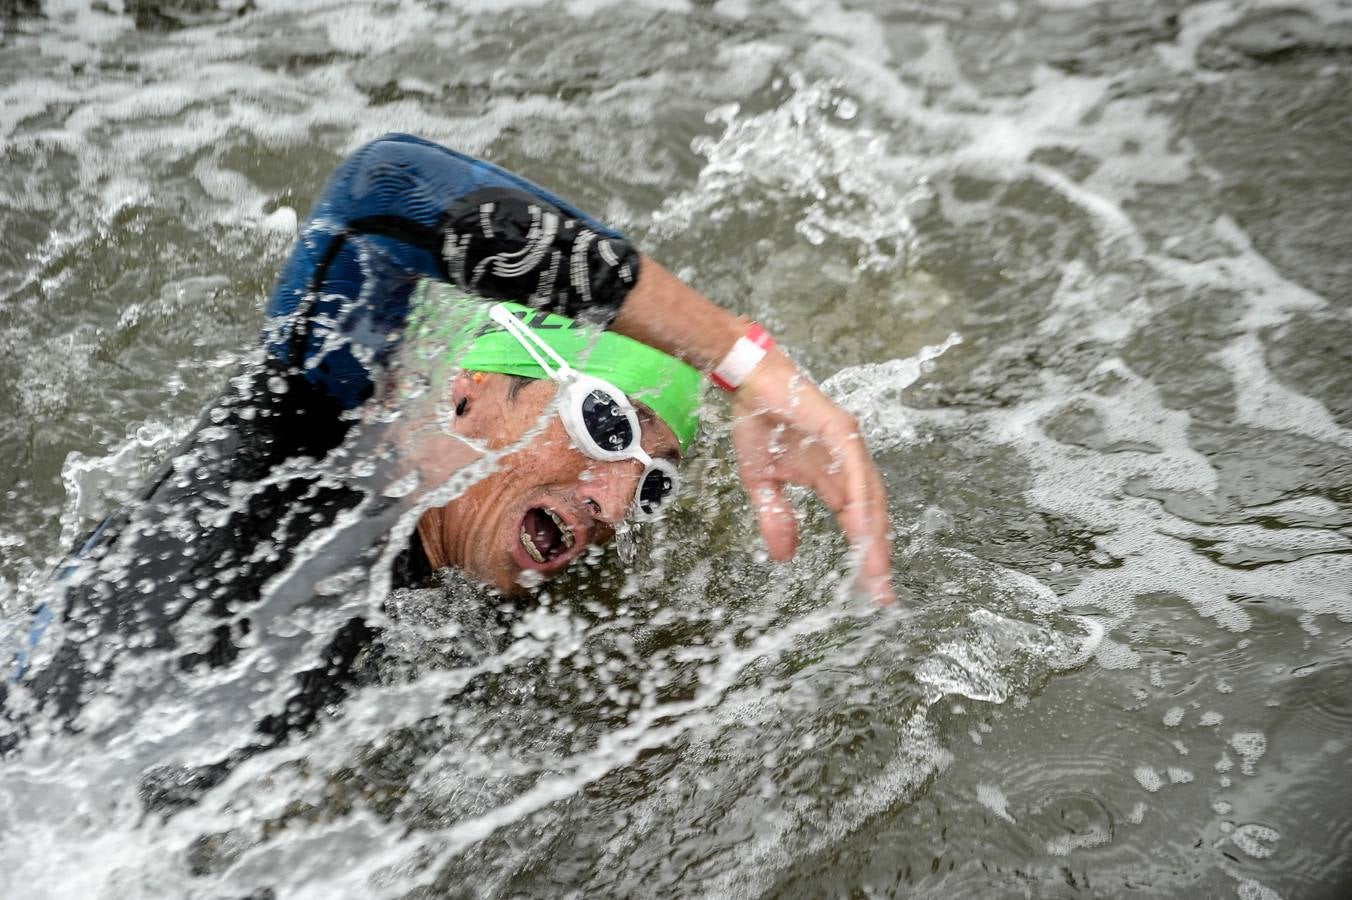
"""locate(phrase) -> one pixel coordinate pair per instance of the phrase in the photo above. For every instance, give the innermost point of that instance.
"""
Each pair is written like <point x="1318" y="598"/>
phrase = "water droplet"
<point x="626" y="542"/>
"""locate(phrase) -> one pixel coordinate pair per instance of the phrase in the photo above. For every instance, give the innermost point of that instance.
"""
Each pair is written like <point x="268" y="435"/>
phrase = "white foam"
<point x="1148" y="778"/>
<point x="993" y="798"/>
<point x="1256" y="841"/>
<point x="1065" y="844"/>
<point x="1250" y="745"/>
<point x="1088" y="486"/>
<point x="283" y="220"/>
<point x="1262" y="401"/>
<point x="357" y="29"/>
<point x="1249" y="889"/>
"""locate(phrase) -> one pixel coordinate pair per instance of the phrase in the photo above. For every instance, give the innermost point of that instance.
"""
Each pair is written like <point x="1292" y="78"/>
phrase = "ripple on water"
<point x="1283" y="829"/>
<point x="1318" y="696"/>
<point x="1065" y="792"/>
<point x="1074" y="821"/>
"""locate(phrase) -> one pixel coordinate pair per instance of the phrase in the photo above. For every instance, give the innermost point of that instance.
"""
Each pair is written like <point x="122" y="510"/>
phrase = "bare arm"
<point x="785" y="429"/>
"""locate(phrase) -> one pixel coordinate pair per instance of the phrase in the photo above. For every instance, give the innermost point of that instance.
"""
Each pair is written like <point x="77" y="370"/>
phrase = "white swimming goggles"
<point x="599" y="418"/>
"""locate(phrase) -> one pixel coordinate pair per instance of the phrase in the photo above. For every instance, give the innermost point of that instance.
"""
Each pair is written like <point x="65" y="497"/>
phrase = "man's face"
<point x="547" y="501"/>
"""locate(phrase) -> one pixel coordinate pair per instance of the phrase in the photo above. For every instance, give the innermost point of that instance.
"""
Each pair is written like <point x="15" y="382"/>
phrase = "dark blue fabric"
<point x="373" y="233"/>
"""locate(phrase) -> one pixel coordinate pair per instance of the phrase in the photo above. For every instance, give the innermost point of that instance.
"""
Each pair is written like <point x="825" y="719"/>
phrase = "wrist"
<point x="745" y="354"/>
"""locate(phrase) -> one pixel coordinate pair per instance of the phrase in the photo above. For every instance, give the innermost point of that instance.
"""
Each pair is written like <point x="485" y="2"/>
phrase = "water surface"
<point x="1122" y="493"/>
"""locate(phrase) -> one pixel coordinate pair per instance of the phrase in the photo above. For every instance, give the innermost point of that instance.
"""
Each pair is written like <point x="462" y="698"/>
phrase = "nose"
<point x="611" y="488"/>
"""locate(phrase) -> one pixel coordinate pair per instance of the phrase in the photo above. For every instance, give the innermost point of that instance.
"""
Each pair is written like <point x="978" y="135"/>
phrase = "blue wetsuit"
<point x="422" y="210"/>
<point x="398" y="210"/>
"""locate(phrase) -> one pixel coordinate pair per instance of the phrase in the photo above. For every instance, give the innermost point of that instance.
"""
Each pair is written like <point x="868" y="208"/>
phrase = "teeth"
<point x="531" y="549"/>
<point x="563" y="529"/>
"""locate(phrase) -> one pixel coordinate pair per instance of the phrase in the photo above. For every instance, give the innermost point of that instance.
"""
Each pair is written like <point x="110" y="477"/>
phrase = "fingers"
<point x="778" y="524"/>
<point x="875" y="553"/>
<point x="764" y="487"/>
<point x="822" y="449"/>
<point x="862" y="511"/>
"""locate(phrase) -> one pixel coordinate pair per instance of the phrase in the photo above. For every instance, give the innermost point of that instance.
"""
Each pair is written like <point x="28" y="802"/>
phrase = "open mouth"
<point x="545" y="536"/>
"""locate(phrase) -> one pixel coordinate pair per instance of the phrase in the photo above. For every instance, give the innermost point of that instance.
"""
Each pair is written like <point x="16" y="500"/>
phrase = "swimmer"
<point x="431" y="213"/>
<point x="401" y="223"/>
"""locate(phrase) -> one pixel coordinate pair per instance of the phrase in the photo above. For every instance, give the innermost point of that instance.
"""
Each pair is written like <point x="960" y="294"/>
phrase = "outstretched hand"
<point x="786" y="431"/>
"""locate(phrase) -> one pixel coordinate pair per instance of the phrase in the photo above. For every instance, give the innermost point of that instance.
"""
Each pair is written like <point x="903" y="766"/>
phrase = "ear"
<point x="466" y="389"/>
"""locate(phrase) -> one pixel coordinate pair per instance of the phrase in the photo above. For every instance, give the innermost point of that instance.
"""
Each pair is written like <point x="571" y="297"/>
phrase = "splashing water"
<point x="1120" y="497"/>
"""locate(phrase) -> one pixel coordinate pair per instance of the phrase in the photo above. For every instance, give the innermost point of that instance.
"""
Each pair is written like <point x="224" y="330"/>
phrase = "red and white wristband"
<point x="744" y="356"/>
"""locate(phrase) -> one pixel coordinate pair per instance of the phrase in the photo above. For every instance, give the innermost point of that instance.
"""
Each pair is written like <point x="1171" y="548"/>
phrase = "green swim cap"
<point x="451" y="330"/>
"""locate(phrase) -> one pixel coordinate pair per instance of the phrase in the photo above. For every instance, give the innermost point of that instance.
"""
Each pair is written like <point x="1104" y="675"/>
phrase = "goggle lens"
<point x="656" y="489"/>
<point x="606" y="422"/>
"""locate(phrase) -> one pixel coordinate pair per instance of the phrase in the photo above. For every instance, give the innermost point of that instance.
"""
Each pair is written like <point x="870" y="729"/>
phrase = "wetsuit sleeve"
<point x="401" y="209"/>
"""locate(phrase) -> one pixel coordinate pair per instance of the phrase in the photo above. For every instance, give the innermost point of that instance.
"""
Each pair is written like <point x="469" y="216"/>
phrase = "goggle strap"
<point x="531" y="341"/>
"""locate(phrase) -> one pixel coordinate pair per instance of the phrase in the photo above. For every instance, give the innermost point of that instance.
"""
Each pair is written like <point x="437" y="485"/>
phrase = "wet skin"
<point x="546" y="503"/>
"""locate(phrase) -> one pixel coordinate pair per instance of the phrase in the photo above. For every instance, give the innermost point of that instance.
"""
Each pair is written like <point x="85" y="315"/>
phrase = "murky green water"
<point x="1123" y="500"/>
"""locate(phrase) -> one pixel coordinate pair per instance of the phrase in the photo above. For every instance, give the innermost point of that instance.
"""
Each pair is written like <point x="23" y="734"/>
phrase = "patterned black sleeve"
<point x="401" y="209"/>
<point x="508" y="244"/>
